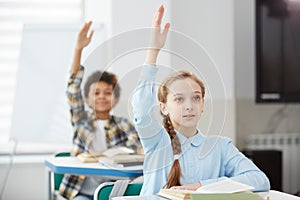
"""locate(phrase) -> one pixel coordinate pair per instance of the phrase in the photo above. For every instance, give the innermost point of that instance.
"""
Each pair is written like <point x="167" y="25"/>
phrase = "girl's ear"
<point x="163" y="108"/>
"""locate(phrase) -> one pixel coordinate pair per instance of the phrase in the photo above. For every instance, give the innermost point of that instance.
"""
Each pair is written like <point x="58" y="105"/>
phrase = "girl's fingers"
<point x="158" y="16"/>
<point x="166" y="29"/>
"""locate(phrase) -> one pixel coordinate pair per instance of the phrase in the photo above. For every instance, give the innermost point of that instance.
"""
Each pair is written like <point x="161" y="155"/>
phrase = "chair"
<point x="57" y="178"/>
<point x="103" y="190"/>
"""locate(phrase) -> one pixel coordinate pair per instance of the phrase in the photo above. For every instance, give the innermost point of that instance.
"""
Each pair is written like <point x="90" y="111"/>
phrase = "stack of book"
<point x="122" y="160"/>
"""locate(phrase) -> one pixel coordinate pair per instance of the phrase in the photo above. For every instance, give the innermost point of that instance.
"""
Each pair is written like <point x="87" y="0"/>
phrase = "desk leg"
<point x="48" y="189"/>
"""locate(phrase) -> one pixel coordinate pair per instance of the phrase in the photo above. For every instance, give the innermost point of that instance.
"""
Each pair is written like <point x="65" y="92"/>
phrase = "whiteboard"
<point x="41" y="112"/>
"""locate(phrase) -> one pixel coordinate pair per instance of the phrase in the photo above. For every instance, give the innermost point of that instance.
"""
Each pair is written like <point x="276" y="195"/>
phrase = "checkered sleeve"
<point x="133" y="141"/>
<point x="74" y="95"/>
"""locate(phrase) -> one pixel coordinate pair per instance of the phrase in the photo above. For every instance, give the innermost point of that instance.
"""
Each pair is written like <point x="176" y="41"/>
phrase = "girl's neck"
<point x="187" y="131"/>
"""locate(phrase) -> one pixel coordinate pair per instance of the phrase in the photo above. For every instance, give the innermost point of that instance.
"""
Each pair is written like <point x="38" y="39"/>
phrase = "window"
<point x="13" y="15"/>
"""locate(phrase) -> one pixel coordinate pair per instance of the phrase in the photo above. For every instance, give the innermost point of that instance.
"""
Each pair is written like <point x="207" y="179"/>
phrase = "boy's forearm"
<point x="76" y="61"/>
<point x="151" y="56"/>
<point x="75" y="98"/>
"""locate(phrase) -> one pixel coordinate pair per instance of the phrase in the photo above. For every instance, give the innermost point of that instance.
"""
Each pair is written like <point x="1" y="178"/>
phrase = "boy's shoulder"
<point x="119" y="120"/>
<point x="123" y="123"/>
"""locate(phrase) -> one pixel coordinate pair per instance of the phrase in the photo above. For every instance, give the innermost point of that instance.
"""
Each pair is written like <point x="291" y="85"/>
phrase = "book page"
<point x="117" y="151"/>
<point x="224" y="186"/>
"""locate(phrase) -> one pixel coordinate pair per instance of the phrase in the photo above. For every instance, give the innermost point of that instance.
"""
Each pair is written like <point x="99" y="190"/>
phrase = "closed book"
<point x="122" y="160"/>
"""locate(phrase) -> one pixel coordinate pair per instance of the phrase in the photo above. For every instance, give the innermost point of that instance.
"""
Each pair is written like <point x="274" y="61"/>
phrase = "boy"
<point x="93" y="131"/>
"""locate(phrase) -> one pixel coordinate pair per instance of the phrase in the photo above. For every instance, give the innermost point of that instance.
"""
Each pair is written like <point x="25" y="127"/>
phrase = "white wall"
<point x="26" y="178"/>
<point x="210" y="24"/>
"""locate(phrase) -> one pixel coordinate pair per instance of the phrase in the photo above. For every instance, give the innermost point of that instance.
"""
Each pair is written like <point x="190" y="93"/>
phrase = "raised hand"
<point x="158" y="37"/>
<point x="83" y="39"/>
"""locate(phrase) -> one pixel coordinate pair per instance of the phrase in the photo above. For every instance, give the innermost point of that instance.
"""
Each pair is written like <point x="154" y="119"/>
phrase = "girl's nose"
<point x="188" y="105"/>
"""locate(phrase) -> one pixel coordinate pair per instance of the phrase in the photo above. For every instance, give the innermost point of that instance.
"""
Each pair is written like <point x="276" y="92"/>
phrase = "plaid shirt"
<point x="119" y="132"/>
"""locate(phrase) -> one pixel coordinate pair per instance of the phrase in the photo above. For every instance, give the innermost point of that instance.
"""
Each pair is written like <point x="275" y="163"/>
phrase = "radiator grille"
<point x="289" y="144"/>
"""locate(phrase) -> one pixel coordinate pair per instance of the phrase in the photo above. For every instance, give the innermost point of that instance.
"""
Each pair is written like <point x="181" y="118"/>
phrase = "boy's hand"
<point x="158" y="38"/>
<point x="83" y="39"/>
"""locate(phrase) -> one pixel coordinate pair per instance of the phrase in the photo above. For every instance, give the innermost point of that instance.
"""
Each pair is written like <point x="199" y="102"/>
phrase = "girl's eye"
<point x="97" y="93"/>
<point x="179" y="99"/>
<point x="196" y="98"/>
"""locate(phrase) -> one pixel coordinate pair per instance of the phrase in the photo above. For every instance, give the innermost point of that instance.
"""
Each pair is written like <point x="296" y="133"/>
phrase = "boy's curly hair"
<point x="104" y="76"/>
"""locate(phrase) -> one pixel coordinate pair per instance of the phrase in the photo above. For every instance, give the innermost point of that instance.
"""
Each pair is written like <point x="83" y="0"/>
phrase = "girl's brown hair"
<point x="163" y="91"/>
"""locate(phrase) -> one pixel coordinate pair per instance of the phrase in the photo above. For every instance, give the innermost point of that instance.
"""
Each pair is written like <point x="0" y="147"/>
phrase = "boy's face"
<point x="101" y="97"/>
<point x="184" y="103"/>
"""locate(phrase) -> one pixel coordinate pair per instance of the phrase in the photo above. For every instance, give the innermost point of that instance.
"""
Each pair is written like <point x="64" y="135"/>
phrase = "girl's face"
<point x="184" y="104"/>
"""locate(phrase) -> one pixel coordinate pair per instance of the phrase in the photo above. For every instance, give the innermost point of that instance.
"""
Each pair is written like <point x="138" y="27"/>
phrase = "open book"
<point x="225" y="189"/>
<point x="94" y="157"/>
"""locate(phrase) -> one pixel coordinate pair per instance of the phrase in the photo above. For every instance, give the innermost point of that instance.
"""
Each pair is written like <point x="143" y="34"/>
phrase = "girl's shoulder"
<point x="216" y="139"/>
<point x="213" y="145"/>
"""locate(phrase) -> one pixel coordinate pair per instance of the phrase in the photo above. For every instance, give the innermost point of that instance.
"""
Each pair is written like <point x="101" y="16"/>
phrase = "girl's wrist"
<point x="152" y="56"/>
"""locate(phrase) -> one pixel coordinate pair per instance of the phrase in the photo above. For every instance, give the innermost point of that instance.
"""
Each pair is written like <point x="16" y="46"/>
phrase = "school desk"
<point x="71" y="165"/>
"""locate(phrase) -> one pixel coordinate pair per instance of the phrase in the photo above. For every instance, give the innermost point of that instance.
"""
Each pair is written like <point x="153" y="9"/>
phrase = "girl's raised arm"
<point x="158" y="38"/>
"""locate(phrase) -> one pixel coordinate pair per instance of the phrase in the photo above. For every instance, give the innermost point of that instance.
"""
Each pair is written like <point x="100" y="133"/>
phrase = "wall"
<point x="26" y="178"/>
<point x="209" y="23"/>
<point x="255" y="118"/>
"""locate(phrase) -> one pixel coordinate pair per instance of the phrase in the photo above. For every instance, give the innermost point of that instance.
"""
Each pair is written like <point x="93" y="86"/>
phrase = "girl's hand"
<point x="158" y="38"/>
<point x="83" y="39"/>
<point x="193" y="186"/>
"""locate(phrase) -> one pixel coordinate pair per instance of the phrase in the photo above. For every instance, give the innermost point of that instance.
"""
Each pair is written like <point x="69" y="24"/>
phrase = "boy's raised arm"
<point x="158" y="38"/>
<point x="83" y="39"/>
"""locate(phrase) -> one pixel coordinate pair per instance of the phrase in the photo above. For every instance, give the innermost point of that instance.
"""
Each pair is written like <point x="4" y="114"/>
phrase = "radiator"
<point x="289" y="144"/>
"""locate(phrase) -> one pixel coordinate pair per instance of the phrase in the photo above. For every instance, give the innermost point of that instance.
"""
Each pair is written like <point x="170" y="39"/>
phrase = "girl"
<point x="177" y="154"/>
